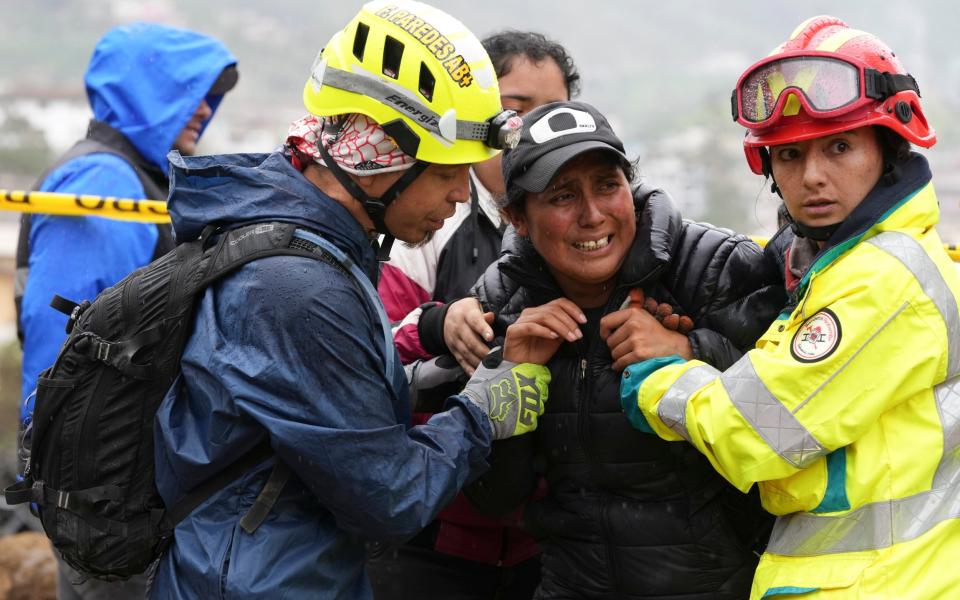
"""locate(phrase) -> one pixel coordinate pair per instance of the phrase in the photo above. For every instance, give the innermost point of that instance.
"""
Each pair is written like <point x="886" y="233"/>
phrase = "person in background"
<point x="151" y="88"/>
<point x="846" y="414"/>
<point x="420" y="282"/>
<point x="290" y="351"/>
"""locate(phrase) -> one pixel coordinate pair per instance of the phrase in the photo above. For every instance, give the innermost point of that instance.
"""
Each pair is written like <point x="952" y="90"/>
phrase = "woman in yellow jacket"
<point x="847" y="414"/>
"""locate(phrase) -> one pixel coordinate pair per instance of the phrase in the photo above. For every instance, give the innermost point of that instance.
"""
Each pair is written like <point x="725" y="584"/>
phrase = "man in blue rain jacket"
<point x="292" y="350"/>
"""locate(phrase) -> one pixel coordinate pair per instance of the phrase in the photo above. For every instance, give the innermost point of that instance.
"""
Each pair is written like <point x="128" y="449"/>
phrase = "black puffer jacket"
<point x="627" y="514"/>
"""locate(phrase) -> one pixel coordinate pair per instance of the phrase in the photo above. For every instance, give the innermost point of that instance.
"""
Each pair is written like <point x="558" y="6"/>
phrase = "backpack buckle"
<point x="102" y="350"/>
<point x="69" y="308"/>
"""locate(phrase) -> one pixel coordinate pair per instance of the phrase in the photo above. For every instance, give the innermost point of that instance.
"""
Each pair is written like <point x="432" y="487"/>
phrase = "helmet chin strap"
<point x="376" y="207"/>
<point x="817" y="234"/>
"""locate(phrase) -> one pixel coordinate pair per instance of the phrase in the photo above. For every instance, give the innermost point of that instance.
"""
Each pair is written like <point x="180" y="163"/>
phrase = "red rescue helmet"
<point x="827" y="78"/>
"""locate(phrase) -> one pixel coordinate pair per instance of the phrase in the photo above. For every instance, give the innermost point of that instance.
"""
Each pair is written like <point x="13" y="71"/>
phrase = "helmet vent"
<point x="360" y="40"/>
<point x="427" y="83"/>
<point x="392" y="55"/>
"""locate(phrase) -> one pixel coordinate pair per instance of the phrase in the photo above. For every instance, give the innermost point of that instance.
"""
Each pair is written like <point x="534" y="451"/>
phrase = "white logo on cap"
<point x="562" y="121"/>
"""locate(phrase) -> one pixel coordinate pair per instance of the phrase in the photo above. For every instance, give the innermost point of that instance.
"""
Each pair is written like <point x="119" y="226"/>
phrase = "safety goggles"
<point x="824" y="84"/>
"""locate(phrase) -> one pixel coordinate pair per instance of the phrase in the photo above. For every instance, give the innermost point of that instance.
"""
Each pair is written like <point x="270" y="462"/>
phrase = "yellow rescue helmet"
<point x="419" y="73"/>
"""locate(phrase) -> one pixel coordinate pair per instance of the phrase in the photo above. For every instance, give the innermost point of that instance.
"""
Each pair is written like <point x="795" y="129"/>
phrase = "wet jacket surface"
<point x="847" y="414"/>
<point x="628" y="516"/>
<point x="288" y="349"/>
<point x="143" y="83"/>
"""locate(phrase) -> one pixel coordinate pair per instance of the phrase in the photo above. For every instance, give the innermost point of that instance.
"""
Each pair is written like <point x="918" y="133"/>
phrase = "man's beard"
<point x="426" y="240"/>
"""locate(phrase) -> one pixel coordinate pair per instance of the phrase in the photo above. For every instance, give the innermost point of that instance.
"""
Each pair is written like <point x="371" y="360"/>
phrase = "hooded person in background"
<point x="151" y="88"/>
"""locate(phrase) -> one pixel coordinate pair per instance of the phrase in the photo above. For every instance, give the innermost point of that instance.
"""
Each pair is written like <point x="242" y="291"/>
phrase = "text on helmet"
<point x="433" y="40"/>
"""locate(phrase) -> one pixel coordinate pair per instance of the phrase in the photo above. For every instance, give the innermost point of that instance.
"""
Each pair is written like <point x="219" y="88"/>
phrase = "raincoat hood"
<point x="236" y="189"/>
<point x="147" y="80"/>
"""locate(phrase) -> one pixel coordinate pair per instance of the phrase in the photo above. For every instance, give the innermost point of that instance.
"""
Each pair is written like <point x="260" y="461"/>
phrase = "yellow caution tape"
<point x="150" y="211"/>
<point x="85" y="205"/>
<point x="952" y="250"/>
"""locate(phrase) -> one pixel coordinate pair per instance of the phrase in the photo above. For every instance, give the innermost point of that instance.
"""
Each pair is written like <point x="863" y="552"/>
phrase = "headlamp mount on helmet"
<point x="504" y="130"/>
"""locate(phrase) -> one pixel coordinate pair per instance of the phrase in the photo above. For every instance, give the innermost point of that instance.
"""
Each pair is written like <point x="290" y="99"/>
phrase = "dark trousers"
<point x="415" y="573"/>
<point x="134" y="588"/>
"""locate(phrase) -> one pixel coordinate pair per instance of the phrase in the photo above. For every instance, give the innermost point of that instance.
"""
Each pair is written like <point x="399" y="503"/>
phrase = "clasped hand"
<point x="633" y="334"/>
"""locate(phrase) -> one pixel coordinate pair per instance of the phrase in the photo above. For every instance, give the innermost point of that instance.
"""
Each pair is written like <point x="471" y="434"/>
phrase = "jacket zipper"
<point x="614" y="566"/>
<point x="583" y="416"/>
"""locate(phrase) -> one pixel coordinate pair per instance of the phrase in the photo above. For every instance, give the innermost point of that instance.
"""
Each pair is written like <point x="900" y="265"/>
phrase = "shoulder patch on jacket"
<point x="817" y="338"/>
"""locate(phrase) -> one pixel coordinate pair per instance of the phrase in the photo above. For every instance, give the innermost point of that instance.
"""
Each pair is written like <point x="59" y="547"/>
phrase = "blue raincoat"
<point x="145" y="81"/>
<point x="288" y="349"/>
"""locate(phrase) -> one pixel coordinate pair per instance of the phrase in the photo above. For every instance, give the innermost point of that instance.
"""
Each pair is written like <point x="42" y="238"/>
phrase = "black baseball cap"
<point x="552" y="135"/>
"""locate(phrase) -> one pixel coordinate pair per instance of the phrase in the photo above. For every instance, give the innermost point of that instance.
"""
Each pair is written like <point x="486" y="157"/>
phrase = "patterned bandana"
<point x="357" y="143"/>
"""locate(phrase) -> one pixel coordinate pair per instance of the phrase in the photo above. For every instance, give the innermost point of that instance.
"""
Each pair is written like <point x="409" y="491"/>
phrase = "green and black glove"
<point x="512" y="394"/>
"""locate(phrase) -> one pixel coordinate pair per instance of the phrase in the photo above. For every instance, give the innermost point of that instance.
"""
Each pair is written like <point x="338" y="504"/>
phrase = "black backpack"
<point x="90" y="471"/>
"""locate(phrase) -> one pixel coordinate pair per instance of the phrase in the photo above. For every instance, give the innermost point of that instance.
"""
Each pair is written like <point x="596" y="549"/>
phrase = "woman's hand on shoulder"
<point x="539" y="331"/>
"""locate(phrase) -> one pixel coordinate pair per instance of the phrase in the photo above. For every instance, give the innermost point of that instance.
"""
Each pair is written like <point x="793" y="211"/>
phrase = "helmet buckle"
<point x="903" y="111"/>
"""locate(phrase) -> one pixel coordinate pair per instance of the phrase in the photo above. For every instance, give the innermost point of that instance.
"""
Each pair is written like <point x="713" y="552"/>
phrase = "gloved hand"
<point x="633" y="377"/>
<point x="511" y="394"/>
<point x="433" y="381"/>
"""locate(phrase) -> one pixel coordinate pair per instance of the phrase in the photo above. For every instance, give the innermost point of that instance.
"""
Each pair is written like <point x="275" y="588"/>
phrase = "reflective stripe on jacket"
<point x="847" y="415"/>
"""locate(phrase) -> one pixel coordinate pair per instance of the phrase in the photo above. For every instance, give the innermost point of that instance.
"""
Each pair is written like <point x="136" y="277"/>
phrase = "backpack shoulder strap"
<point x="234" y="249"/>
<point x="370" y="293"/>
<point x="240" y="246"/>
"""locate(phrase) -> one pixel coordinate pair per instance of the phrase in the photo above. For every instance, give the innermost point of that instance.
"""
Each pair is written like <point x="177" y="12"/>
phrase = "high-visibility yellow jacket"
<point x="847" y="416"/>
